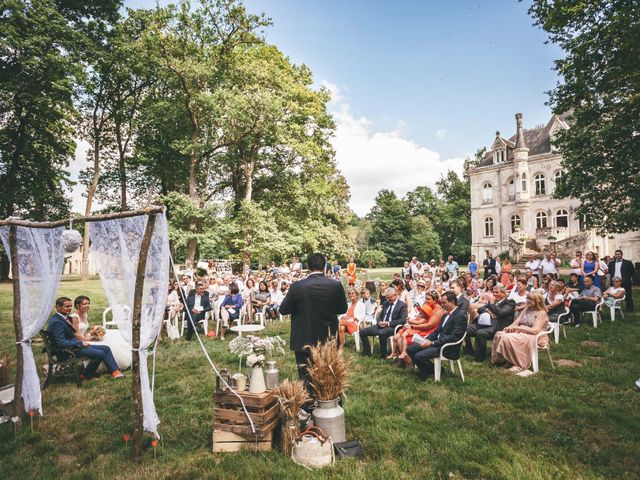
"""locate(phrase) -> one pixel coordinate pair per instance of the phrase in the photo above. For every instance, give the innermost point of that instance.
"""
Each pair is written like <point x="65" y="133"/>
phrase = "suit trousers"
<point x="375" y="331"/>
<point x="96" y="355"/>
<point x="483" y="334"/>
<point x="580" y="305"/>
<point x="422" y="358"/>
<point x="302" y="359"/>
<point x="628" y="297"/>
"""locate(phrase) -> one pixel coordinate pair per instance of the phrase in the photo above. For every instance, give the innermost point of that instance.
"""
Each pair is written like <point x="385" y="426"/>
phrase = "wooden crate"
<point x="263" y="408"/>
<point x="233" y="442"/>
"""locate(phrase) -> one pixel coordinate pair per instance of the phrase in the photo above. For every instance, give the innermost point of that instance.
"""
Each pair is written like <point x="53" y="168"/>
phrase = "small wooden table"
<point x="246" y="328"/>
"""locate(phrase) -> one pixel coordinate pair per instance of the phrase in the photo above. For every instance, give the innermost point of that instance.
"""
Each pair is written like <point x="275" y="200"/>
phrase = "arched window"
<point x="541" y="220"/>
<point x="562" y="218"/>
<point x="540" y="183"/>
<point x="524" y="182"/>
<point x="488" y="227"/>
<point x="511" y="189"/>
<point x="516" y="223"/>
<point x="487" y="193"/>
<point x="557" y="175"/>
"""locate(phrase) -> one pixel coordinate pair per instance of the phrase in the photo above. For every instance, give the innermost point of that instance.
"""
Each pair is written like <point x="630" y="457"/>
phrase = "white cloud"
<point x="441" y="133"/>
<point x="372" y="160"/>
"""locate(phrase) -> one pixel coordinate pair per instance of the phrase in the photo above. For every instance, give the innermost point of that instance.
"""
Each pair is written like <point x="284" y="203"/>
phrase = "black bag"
<point x="352" y="449"/>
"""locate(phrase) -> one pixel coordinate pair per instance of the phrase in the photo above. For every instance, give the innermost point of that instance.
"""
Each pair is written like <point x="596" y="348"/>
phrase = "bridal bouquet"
<point x="96" y="333"/>
<point x="256" y="348"/>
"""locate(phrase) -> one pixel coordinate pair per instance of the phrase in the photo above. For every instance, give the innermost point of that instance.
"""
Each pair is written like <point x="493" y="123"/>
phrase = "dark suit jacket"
<point x="489" y="267"/>
<point x="463" y="304"/>
<point x="62" y="332"/>
<point x="314" y="305"/>
<point x="503" y="311"/>
<point x="398" y="316"/>
<point x="204" y="303"/>
<point x="626" y="271"/>
<point x="450" y="331"/>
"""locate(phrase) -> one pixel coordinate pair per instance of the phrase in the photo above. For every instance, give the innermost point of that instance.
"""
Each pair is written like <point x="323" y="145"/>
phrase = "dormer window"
<point x="499" y="156"/>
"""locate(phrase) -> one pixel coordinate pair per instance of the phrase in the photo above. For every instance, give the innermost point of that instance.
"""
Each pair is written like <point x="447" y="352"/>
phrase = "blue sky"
<point x="419" y="85"/>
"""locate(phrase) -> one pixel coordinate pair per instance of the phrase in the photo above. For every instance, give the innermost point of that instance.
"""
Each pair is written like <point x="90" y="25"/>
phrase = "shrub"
<point x="373" y="258"/>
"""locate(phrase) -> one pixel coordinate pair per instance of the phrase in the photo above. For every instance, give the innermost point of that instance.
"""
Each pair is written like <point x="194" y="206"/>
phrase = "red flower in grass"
<point x="32" y="413"/>
<point x="154" y="443"/>
<point x="126" y="437"/>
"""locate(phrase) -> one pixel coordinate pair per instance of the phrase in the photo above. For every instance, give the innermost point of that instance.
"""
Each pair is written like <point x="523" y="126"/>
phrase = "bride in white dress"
<point x="119" y="347"/>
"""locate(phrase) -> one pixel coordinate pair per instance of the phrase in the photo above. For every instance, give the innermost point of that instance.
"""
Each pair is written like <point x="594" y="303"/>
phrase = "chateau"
<point x="512" y="203"/>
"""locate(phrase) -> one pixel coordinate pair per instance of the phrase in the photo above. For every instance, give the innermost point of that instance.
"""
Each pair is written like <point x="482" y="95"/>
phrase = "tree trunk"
<point x="87" y="211"/>
<point x="193" y="193"/>
<point x="122" y="171"/>
<point x="17" y="326"/>
<point x="135" y="338"/>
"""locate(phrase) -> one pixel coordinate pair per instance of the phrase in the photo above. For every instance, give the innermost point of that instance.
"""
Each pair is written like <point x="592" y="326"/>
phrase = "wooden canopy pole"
<point x="92" y="218"/>
<point x="17" y="326"/>
<point x="135" y="337"/>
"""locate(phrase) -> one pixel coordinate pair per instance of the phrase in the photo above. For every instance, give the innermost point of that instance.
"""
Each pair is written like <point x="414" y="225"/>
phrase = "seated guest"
<point x="462" y="302"/>
<point x="394" y="313"/>
<point x="574" y="286"/>
<point x="276" y="298"/>
<point x="586" y="301"/>
<point x="451" y="329"/>
<point x="554" y="301"/>
<point x="350" y="321"/>
<point x="614" y="292"/>
<point x="426" y="322"/>
<point x="230" y="307"/>
<point x="261" y="299"/>
<point x="519" y="295"/>
<point x="198" y="304"/>
<point x="64" y="336"/>
<point x="418" y="294"/>
<point x="490" y="318"/>
<point x="403" y="295"/>
<point x="532" y="280"/>
<point x="369" y="306"/>
<point x="516" y="342"/>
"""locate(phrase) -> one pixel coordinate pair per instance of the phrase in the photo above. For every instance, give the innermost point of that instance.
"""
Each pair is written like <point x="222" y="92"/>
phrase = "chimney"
<point x="519" y="133"/>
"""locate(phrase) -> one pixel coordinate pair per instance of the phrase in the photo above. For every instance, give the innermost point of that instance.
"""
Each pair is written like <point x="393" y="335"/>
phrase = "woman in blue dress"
<point x="590" y="268"/>
<point x="230" y="307"/>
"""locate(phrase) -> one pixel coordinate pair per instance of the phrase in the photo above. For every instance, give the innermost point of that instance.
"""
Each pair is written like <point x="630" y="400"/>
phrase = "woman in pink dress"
<point x="515" y="343"/>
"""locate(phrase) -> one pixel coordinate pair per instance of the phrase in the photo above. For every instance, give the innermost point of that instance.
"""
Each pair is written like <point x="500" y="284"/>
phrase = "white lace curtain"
<point x="115" y="248"/>
<point x="40" y="263"/>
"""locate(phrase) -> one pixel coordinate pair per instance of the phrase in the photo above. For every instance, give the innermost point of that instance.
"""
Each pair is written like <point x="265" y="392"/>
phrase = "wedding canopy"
<point x="131" y="251"/>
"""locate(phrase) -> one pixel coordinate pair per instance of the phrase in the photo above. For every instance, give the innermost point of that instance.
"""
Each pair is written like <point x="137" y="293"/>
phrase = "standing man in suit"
<point x="61" y="329"/>
<point x="489" y="265"/>
<point x="619" y="267"/>
<point x="394" y="313"/>
<point x="451" y="329"/>
<point x="314" y="305"/>
<point x="491" y="318"/>
<point x="198" y="304"/>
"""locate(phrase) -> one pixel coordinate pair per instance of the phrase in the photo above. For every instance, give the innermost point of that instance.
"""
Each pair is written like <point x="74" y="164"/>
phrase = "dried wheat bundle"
<point x="292" y="396"/>
<point x="328" y="370"/>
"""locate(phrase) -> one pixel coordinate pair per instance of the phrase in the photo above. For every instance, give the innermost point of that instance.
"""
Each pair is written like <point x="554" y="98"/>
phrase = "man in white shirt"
<point x="415" y="268"/>
<point x="369" y="306"/>
<point x="548" y="266"/>
<point x="452" y="267"/>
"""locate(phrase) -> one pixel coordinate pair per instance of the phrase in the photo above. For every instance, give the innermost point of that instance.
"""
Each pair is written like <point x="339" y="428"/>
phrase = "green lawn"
<point x="564" y="423"/>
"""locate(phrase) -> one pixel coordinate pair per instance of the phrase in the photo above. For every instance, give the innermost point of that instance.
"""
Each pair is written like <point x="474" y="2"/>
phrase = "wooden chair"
<point x="63" y="362"/>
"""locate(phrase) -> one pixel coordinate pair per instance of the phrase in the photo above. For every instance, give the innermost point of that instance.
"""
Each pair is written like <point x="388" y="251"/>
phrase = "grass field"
<point x="565" y="423"/>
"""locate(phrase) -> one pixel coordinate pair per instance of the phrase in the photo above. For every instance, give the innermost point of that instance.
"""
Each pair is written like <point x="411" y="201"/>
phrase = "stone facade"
<point x="512" y="203"/>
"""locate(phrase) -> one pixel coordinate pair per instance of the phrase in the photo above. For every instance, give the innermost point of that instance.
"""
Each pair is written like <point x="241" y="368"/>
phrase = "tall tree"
<point x="600" y="89"/>
<point x="453" y="218"/>
<point x="391" y="228"/>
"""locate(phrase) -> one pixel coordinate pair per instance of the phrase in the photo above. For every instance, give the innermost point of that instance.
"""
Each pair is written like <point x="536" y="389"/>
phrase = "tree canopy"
<point x="600" y="89"/>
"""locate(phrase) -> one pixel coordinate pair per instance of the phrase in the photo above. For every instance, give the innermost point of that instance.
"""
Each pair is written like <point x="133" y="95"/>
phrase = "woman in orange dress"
<point x="349" y="321"/>
<point x="506" y="270"/>
<point x="351" y="273"/>
<point x="427" y="321"/>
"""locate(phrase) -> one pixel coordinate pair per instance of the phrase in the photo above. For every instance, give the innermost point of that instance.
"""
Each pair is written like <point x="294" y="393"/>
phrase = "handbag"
<point x="313" y="449"/>
<point x="352" y="449"/>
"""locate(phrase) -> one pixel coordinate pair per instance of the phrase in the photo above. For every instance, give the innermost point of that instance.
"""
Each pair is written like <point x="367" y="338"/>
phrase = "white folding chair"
<point x="112" y="323"/>
<point x="547" y="347"/>
<point x="261" y="316"/>
<point x="437" y="362"/>
<point x="595" y="314"/>
<point x="559" y="323"/>
<point x="617" y="305"/>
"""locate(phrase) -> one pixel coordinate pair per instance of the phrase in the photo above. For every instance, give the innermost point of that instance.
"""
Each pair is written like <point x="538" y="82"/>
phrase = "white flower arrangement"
<point x="256" y="349"/>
